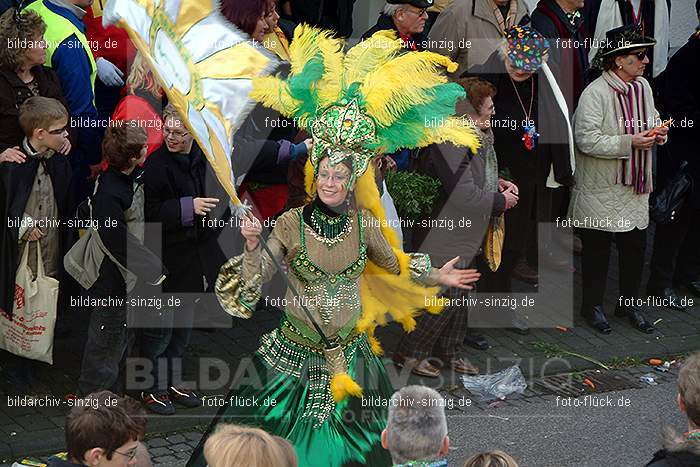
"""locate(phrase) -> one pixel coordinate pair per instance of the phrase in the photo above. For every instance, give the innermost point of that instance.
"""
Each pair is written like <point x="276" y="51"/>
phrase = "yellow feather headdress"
<point x="374" y="99"/>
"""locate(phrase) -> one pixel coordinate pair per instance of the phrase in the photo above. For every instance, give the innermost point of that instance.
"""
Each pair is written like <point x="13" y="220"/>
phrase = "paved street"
<point x="543" y="434"/>
<point x="216" y="359"/>
<point x="621" y="428"/>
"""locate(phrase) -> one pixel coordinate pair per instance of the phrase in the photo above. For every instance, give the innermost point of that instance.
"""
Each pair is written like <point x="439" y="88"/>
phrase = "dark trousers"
<point x="500" y="280"/>
<point x="165" y="346"/>
<point x="552" y="203"/>
<point x="676" y="256"/>
<point x="596" y="258"/>
<point x="439" y="334"/>
<point x="105" y="350"/>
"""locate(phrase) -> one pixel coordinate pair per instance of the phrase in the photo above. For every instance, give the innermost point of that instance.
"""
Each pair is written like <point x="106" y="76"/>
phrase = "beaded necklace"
<point x="329" y="230"/>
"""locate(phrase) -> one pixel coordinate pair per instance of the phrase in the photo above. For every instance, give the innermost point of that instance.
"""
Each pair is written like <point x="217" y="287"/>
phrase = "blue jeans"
<point x="165" y="346"/>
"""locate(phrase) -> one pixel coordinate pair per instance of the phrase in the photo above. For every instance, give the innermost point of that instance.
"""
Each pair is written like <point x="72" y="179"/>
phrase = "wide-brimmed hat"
<point x="526" y="48"/>
<point x="620" y="40"/>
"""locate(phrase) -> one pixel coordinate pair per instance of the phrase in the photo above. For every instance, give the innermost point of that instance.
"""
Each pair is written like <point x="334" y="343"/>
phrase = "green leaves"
<point x="414" y="194"/>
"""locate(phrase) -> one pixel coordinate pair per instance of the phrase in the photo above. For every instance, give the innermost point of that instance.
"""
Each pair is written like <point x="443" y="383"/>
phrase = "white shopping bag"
<point x="29" y="333"/>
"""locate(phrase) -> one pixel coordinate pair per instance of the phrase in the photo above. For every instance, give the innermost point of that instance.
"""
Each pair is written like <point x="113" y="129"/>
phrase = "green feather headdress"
<point x="375" y="99"/>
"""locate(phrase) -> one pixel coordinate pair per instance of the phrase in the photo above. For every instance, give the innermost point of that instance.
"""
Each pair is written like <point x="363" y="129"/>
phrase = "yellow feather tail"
<point x="272" y="92"/>
<point x="455" y="130"/>
<point x="369" y="54"/>
<point x="342" y="386"/>
<point x="380" y="291"/>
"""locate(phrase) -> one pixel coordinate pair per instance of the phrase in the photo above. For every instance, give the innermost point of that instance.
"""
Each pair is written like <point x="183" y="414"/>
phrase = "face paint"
<point x="333" y="183"/>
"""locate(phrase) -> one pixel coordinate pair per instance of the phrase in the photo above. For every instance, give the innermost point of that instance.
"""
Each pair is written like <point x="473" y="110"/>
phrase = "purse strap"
<point x="122" y="269"/>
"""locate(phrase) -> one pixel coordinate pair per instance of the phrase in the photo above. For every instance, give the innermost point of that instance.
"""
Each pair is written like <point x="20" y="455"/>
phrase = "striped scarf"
<point x="634" y="111"/>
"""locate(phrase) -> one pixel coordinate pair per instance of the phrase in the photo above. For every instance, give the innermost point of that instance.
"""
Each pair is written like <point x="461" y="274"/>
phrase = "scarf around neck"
<point x="487" y="151"/>
<point x="634" y="111"/>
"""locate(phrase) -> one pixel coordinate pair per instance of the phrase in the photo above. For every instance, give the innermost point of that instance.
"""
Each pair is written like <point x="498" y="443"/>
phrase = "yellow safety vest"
<point x="58" y="29"/>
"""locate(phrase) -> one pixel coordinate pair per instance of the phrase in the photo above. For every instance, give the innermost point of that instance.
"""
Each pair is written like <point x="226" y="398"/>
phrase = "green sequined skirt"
<point x="285" y="391"/>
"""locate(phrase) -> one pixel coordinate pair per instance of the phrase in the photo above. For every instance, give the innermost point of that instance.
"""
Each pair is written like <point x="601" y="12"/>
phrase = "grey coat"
<point x="458" y="223"/>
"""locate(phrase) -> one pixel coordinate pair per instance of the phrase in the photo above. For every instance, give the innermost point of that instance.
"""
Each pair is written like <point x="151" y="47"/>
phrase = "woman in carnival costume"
<point x="347" y="269"/>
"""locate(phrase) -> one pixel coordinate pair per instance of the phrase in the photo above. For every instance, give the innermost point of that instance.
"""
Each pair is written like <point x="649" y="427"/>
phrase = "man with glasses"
<point x="101" y="430"/>
<point x="407" y="18"/>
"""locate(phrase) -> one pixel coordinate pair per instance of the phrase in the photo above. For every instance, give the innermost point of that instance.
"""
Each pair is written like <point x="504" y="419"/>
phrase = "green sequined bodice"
<point x="323" y="290"/>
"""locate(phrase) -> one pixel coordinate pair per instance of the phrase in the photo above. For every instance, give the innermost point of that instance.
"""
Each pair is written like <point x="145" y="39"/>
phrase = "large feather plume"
<point x="412" y="105"/>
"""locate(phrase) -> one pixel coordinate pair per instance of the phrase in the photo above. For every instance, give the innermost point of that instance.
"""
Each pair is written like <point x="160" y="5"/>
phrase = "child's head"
<point x="177" y="137"/>
<point x="124" y="145"/>
<point x="243" y="445"/>
<point x="100" y="432"/>
<point x="689" y="388"/>
<point x="491" y="459"/>
<point x="44" y="121"/>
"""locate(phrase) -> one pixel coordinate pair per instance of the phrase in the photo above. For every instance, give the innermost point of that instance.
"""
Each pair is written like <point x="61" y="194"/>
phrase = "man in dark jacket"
<point x="181" y="199"/>
<point x="676" y="257"/>
<point x="407" y="18"/>
<point x="684" y="451"/>
<point x="561" y="22"/>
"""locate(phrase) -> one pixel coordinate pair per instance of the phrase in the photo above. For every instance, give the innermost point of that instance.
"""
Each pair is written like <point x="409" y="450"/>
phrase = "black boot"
<point x="595" y="316"/>
<point x="637" y="319"/>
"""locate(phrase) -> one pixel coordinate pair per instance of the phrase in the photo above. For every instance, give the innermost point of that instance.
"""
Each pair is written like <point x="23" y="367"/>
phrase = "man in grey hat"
<point x="407" y="18"/>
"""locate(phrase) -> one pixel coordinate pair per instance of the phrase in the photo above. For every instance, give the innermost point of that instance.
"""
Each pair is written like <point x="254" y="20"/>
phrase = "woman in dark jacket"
<point x="22" y="75"/>
<point x="264" y="144"/>
<point x="182" y="200"/>
<point x="472" y="195"/>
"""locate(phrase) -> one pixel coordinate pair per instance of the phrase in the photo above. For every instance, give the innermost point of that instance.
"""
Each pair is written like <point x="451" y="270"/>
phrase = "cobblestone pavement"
<point x="216" y="359"/>
<point x="463" y="408"/>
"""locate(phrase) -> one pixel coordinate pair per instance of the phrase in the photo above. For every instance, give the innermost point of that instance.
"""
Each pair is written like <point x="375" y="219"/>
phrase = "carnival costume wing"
<point x="204" y="65"/>
<point x="374" y="99"/>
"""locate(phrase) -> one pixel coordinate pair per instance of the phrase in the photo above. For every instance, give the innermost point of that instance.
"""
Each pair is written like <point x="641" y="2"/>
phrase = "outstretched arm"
<point x="239" y="285"/>
<point x="381" y="253"/>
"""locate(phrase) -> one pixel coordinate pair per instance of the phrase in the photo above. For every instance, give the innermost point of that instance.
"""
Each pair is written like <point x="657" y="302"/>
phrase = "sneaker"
<point x="158" y="403"/>
<point x="184" y="397"/>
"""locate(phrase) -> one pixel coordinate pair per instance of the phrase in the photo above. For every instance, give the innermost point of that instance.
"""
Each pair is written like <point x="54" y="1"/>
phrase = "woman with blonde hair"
<point x="234" y="445"/>
<point x="143" y="103"/>
<point x="495" y="458"/>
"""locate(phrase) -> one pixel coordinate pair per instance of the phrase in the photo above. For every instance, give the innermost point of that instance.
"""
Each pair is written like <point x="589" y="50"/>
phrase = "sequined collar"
<point x="435" y="463"/>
